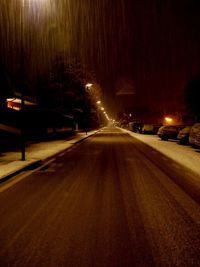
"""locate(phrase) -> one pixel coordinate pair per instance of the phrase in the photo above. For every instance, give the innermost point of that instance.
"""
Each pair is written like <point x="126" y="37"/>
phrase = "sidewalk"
<point x="10" y="163"/>
<point x="185" y="156"/>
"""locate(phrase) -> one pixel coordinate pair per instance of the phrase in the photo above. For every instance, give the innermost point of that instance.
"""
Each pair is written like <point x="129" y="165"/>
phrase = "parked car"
<point x="169" y="132"/>
<point x="197" y="140"/>
<point x="183" y="135"/>
<point x="147" y="129"/>
<point x="137" y="127"/>
<point x="193" y="132"/>
<point x="156" y="127"/>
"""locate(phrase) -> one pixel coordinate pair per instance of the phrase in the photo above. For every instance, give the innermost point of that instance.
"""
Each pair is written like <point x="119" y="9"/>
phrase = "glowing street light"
<point x="98" y="102"/>
<point x="88" y="85"/>
<point x="168" y="120"/>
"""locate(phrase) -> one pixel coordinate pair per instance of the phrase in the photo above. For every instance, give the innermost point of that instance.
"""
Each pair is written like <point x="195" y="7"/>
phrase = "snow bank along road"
<point x="185" y="155"/>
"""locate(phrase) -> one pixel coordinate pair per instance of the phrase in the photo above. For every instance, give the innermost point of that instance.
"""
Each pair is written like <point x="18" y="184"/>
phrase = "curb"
<point x="38" y="163"/>
<point x="30" y="166"/>
<point x="44" y="161"/>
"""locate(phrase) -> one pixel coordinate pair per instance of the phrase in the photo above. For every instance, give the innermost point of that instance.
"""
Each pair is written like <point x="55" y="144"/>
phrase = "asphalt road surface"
<point x="109" y="201"/>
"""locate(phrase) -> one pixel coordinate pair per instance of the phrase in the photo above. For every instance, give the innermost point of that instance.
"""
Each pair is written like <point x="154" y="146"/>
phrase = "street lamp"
<point x="88" y="86"/>
<point x="168" y="120"/>
<point x="22" y="70"/>
<point x="22" y="84"/>
<point x="87" y="105"/>
<point x="22" y="73"/>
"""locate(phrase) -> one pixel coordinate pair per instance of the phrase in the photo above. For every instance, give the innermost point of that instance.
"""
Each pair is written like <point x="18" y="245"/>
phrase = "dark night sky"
<point x="149" y="47"/>
<point x="158" y="48"/>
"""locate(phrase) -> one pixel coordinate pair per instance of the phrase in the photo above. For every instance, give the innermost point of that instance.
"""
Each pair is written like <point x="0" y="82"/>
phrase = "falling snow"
<point x="153" y="43"/>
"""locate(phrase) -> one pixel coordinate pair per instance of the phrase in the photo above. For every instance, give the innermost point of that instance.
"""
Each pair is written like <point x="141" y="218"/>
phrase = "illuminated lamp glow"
<point x="168" y="119"/>
<point x="88" y="85"/>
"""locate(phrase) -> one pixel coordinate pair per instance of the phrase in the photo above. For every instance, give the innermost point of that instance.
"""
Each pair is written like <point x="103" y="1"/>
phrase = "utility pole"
<point x="22" y="84"/>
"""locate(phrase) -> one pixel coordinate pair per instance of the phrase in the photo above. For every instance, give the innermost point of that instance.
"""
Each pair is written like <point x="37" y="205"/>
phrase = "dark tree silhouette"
<point x="193" y="95"/>
<point x="64" y="89"/>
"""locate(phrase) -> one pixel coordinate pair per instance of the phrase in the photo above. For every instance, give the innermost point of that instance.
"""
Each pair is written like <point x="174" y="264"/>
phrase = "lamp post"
<point x="22" y="74"/>
<point x="22" y="85"/>
<point x="98" y="113"/>
<point x="87" y="107"/>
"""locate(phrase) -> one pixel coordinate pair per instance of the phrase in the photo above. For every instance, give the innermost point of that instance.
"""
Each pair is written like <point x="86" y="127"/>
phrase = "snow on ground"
<point x="10" y="161"/>
<point x="185" y="155"/>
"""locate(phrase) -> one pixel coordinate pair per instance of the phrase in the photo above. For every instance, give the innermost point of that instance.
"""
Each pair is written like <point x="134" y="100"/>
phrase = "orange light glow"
<point x="169" y="120"/>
